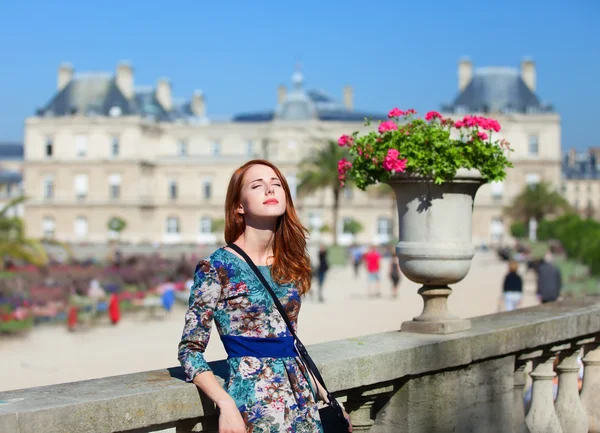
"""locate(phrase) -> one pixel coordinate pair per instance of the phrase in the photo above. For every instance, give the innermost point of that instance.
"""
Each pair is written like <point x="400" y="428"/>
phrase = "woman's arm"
<point x="204" y="296"/>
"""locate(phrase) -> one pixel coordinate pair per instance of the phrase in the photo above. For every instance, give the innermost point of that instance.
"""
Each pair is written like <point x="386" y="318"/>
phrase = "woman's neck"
<point x="258" y="244"/>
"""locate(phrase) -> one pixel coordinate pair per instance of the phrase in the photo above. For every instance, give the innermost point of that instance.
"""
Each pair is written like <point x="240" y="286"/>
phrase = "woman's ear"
<point x="240" y="209"/>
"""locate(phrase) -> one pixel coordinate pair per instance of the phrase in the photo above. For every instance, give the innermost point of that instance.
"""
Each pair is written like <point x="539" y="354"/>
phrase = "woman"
<point x="512" y="288"/>
<point x="264" y="393"/>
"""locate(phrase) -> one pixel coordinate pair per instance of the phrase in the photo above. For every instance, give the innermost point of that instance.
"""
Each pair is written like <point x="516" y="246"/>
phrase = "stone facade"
<point x="581" y="182"/>
<point x="102" y="148"/>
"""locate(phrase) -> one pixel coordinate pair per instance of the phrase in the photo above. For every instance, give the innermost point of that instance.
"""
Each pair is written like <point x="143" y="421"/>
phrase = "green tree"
<point x="352" y="226"/>
<point x="117" y="225"/>
<point x="319" y="171"/>
<point x="536" y="202"/>
<point x="14" y="243"/>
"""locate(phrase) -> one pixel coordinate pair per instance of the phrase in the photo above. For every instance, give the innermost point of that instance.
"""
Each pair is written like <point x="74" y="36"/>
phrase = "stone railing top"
<point x="162" y="397"/>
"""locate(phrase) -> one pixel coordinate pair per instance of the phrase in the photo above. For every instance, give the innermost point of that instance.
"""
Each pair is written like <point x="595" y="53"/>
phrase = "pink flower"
<point x="410" y="111"/>
<point x="494" y="125"/>
<point x="392" y="163"/>
<point x="343" y="166"/>
<point x="345" y="140"/>
<point x="482" y="135"/>
<point x="387" y="126"/>
<point x="396" y="112"/>
<point x="459" y="124"/>
<point x="432" y="115"/>
<point x="470" y="121"/>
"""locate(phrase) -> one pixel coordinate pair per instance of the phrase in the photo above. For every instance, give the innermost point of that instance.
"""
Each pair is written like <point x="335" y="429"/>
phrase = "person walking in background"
<point x="512" y="291"/>
<point x="394" y="275"/>
<point x="356" y="254"/>
<point x="549" y="280"/>
<point x="322" y="270"/>
<point x="372" y="260"/>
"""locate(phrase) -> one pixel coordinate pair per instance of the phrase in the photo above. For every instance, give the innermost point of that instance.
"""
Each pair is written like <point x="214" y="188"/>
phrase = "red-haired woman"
<point x="269" y="389"/>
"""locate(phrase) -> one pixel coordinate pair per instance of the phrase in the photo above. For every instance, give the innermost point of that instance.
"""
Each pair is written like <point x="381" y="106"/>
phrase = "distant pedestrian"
<point x="372" y="260"/>
<point x="512" y="291"/>
<point x="322" y="270"/>
<point x="356" y="254"/>
<point x="549" y="280"/>
<point x="394" y="275"/>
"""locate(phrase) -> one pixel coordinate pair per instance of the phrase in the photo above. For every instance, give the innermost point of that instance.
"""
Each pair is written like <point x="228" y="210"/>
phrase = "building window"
<point x="216" y="148"/>
<point x="532" y="179"/>
<point x="81" y="186"/>
<point x="173" y="189"/>
<point x="115" y="147"/>
<point x="250" y="148"/>
<point x="292" y="184"/>
<point x="206" y="225"/>
<point x="114" y="185"/>
<point x="533" y="145"/>
<point x="497" y="190"/>
<point x="172" y="225"/>
<point x="49" y="147"/>
<point x="348" y="193"/>
<point x="48" y="227"/>
<point x="384" y="226"/>
<point x="207" y="188"/>
<point x="314" y="221"/>
<point x="49" y="187"/>
<point x="81" y="227"/>
<point x="346" y="222"/>
<point x="183" y="148"/>
<point x="81" y="146"/>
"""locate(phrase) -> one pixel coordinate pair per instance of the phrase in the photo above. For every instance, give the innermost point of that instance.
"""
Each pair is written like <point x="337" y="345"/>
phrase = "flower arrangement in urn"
<point x="435" y="166"/>
<point x="433" y="147"/>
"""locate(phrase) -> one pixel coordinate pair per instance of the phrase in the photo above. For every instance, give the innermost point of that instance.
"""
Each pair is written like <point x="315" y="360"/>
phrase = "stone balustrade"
<point x="472" y="381"/>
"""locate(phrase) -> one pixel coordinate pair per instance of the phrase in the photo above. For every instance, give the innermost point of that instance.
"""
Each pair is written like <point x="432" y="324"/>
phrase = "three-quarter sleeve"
<point x="204" y="296"/>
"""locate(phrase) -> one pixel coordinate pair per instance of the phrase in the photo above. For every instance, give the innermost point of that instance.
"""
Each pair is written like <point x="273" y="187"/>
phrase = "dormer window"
<point x="115" y="111"/>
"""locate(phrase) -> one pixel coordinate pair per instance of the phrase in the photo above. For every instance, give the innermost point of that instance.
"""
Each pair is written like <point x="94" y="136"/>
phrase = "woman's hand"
<point x="230" y="419"/>
<point x="348" y="419"/>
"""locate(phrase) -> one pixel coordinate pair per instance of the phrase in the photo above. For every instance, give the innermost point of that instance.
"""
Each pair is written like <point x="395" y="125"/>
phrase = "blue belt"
<point x="258" y="347"/>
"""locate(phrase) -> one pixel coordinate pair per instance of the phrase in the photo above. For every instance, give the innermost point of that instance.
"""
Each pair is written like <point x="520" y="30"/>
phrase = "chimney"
<point x="281" y="92"/>
<point x="572" y="156"/>
<point x="163" y="94"/>
<point x="198" y="105"/>
<point x="349" y="98"/>
<point x="65" y="75"/>
<point x="528" y="73"/>
<point x="125" y="79"/>
<point x="465" y="73"/>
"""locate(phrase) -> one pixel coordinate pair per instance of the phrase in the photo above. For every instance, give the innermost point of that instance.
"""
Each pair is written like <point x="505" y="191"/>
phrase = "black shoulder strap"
<point x="299" y="346"/>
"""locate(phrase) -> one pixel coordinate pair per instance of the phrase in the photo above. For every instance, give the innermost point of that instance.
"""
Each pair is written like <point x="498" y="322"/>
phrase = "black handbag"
<point x="332" y="415"/>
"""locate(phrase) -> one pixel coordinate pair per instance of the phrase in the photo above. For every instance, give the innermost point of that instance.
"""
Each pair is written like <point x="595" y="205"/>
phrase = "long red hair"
<point x="291" y="263"/>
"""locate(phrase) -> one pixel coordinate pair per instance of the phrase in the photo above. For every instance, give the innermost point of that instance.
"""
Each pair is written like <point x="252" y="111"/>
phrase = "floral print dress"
<point x="273" y="394"/>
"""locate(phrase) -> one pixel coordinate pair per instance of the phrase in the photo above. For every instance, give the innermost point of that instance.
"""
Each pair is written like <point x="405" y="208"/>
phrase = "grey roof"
<point x="11" y="150"/>
<point x="88" y="94"/>
<point x="584" y="166"/>
<point x="10" y="177"/>
<point x="300" y="104"/>
<point x="497" y="90"/>
<point x="98" y="94"/>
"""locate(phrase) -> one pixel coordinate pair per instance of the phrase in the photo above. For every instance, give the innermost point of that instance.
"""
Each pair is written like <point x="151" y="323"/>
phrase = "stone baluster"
<point x="360" y="406"/>
<point x="520" y="379"/>
<point x="590" y="393"/>
<point x="569" y="410"/>
<point x="541" y="417"/>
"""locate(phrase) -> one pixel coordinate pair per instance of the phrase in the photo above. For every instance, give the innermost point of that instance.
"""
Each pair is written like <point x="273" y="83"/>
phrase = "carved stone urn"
<point x="435" y="247"/>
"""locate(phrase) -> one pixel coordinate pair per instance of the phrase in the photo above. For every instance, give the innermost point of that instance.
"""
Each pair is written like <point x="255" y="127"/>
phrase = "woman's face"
<point x="262" y="194"/>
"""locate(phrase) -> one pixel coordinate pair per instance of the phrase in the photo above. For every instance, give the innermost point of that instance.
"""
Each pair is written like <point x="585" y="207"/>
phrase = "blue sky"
<point x="394" y="53"/>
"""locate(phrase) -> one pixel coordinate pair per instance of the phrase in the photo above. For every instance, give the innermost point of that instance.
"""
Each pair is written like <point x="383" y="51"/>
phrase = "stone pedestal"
<point x="434" y="247"/>
<point x="569" y="410"/>
<point x="590" y="392"/>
